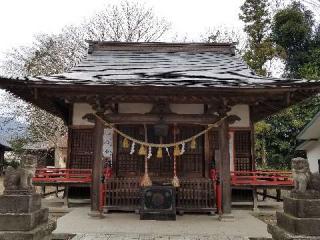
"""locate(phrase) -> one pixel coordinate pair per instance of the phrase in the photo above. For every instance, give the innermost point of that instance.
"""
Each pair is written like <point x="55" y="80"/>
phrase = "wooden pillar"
<point x="97" y="166"/>
<point x="255" y="199"/>
<point x="225" y="167"/>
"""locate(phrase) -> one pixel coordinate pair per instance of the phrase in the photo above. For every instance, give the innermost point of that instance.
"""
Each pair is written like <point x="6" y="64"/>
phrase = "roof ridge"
<point x="161" y="46"/>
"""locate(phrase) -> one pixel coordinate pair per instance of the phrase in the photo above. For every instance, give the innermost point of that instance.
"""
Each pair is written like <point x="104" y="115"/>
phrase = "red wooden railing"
<point x="238" y="178"/>
<point x="261" y="178"/>
<point x="62" y="175"/>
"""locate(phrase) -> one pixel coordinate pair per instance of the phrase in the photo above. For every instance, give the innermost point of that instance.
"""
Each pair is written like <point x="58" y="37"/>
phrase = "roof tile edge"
<point x="228" y="48"/>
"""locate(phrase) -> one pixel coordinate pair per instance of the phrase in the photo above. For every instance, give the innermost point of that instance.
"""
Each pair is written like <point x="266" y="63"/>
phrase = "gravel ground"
<point x="266" y="217"/>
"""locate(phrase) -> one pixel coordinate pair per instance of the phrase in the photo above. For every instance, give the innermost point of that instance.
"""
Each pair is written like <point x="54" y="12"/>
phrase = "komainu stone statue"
<point x="21" y="214"/>
<point x="300" y="219"/>
<point x="20" y="180"/>
<point x="306" y="184"/>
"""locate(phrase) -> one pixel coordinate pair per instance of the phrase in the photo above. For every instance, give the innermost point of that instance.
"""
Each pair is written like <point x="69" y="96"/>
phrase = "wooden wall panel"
<point x="242" y="146"/>
<point x="190" y="164"/>
<point x="81" y="148"/>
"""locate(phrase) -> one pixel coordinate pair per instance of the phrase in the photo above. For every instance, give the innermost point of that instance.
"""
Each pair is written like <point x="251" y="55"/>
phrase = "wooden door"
<point x="190" y="164"/>
<point x="81" y="148"/>
<point x="242" y="147"/>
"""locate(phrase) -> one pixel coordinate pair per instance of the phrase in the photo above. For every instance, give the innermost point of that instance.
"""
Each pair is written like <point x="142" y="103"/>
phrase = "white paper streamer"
<point x="149" y="153"/>
<point x="132" y="148"/>
<point x="183" y="148"/>
<point x="167" y="149"/>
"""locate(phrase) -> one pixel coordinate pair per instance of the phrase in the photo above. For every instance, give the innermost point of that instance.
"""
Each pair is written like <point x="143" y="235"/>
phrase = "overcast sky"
<point x="20" y="20"/>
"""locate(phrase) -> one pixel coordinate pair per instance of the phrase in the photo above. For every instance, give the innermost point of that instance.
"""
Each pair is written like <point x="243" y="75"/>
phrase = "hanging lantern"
<point x="176" y="151"/>
<point x="142" y="150"/>
<point x="125" y="143"/>
<point x="193" y="144"/>
<point x="159" y="152"/>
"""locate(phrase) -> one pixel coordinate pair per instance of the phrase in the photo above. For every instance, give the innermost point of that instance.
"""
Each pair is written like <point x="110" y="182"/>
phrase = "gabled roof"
<point x="114" y="72"/>
<point x="210" y="65"/>
<point x="4" y="146"/>
<point x="307" y="144"/>
<point x="311" y="130"/>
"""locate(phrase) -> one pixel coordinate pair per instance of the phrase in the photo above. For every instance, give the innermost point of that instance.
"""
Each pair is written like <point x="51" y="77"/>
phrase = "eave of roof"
<point x="305" y="145"/>
<point x="307" y="132"/>
<point x="5" y="147"/>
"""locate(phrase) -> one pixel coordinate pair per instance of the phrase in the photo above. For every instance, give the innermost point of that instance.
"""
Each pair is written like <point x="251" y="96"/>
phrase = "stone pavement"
<point x="125" y="236"/>
<point x="188" y="226"/>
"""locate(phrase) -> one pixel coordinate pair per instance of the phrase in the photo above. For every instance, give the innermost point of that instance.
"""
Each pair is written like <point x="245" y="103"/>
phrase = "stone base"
<point x="280" y="234"/>
<point x="23" y="221"/>
<point x="309" y="194"/>
<point x="294" y="225"/>
<point x="42" y="232"/>
<point x="96" y="214"/>
<point x="226" y="217"/>
<point x="20" y="203"/>
<point x="302" y="208"/>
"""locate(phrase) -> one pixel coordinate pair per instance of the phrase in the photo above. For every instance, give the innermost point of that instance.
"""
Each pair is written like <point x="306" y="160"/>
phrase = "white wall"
<point x="60" y="157"/>
<point x="313" y="154"/>
<point x="79" y="110"/>
<point x="134" y="107"/>
<point x="187" y="108"/>
<point x="242" y="111"/>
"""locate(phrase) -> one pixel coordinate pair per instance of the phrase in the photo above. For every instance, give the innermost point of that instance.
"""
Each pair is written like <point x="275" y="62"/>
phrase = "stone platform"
<point x="41" y="232"/>
<point x="300" y="220"/>
<point x="21" y="217"/>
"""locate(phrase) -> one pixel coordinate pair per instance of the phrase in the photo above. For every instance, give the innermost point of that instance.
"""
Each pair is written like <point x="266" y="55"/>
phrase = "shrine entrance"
<point x="191" y="164"/>
<point x="195" y="193"/>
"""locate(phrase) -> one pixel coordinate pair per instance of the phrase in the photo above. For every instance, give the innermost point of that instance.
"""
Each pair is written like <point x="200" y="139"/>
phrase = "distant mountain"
<point x="11" y="128"/>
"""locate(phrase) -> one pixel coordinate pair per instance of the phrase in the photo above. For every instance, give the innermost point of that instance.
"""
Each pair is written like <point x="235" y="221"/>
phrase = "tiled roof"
<point x="160" y="65"/>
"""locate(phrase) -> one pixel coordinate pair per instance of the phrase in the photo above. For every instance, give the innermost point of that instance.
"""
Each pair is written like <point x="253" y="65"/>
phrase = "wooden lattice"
<point x="81" y="152"/>
<point x="193" y="195"/>
<point x="189" y="164"/>
<point x="242" y="146"/>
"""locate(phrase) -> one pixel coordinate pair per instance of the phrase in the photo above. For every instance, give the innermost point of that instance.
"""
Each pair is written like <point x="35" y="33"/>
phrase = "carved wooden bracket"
<point x="160" y="108"/>
<point x="101" y="107"/>
<point x="232" y="119"/>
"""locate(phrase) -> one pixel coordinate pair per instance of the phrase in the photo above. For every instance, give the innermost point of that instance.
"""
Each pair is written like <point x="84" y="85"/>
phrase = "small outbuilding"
<point x="310" y="136"/>
<point x="3" y="148"/>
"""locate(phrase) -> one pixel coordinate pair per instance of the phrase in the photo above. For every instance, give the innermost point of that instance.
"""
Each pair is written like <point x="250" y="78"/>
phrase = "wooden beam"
<point x="225" y="167"/>
<point x="97" y="167"/>
<point x="135" y="118"/>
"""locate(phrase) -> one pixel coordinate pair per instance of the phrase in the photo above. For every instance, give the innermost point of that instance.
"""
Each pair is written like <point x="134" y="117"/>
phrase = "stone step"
<point x="299" y="226"/>
<point x="281" y="234"/>
<point x="302" y="208"/>
<point x="41" y="232"/>
<point x="23" y="221"/>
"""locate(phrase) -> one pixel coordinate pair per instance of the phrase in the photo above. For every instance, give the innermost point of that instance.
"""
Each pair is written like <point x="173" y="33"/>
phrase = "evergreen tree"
<point x="255" y="15"/>
<point x="292" y="30"/>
